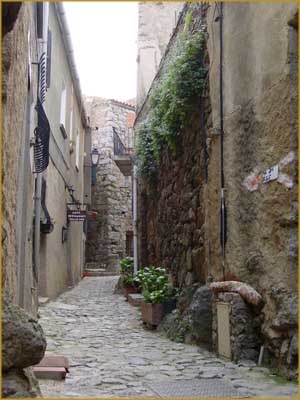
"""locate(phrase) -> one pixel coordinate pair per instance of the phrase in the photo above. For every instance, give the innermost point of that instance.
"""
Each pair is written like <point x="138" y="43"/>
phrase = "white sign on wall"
<point x="270" y="174"/>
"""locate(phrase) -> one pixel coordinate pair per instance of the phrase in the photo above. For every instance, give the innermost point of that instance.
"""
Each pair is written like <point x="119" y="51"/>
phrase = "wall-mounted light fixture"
<point x="95" y="156"/>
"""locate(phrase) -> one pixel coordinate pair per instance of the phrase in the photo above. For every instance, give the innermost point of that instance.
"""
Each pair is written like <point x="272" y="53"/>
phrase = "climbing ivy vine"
<point x="172" y="100"/>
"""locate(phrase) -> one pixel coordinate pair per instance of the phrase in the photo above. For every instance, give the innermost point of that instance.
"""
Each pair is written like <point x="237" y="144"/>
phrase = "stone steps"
<point x="135" y="299"/>
<point x="99" y="272"/>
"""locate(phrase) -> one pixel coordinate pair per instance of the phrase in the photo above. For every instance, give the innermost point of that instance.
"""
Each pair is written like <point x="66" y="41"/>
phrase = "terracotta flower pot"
<point x="128" y="290"/>
<point x="152" y="314"/>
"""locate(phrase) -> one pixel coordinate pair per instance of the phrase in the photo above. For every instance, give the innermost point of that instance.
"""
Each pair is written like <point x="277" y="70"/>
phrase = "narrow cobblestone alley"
<point x="112" y="355"/>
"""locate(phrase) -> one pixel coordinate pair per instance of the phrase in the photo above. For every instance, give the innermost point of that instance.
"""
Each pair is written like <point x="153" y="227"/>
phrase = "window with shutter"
<point x="39" y="20"/>
<point x="77" y="149"/>
<point x="63" y="110"/>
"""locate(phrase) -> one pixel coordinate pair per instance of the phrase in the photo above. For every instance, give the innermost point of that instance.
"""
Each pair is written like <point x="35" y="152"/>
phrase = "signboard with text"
<point x="77" y="214"/>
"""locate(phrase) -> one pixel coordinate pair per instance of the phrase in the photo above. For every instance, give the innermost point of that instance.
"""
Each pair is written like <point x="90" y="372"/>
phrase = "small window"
<point x="63" y="110"/>
<point x="77" y="149"/>
<point x="71" y="113"/>
<point x="71" y="132"/>
<point x="40" y="19"/>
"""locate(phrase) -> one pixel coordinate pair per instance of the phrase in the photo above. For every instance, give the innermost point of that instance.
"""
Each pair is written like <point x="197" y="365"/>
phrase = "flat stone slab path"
<point x="112" y="355"/>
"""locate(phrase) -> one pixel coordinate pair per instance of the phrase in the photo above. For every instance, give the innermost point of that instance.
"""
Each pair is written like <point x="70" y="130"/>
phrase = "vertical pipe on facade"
<point x="202" y="99"/>
<point x="38" y="187"/>
<point x="135" y="245"/>
<point x="223" y="209"/>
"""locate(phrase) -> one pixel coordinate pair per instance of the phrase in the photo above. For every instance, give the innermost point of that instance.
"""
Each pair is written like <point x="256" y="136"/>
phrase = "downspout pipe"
<point x="223" y="206"/>
<point x="135" y="234"/>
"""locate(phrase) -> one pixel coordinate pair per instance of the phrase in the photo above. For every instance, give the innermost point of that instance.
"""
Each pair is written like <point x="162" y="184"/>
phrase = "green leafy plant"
<point x="126" y="268"/>
<point x="126" y="265"/>
<point x="146" y="163"/>
<point x="172" y="100"/>
<point x="155" y="284"/>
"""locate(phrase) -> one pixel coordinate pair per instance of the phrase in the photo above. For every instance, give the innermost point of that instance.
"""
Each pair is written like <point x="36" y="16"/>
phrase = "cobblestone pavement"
<point x="112" y="355"/>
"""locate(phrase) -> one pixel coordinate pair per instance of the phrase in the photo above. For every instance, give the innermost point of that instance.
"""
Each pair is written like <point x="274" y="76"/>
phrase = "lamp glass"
<point x="95" y="157"/>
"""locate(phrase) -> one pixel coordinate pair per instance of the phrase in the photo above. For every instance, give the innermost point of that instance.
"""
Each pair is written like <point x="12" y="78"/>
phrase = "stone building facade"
<point x="157" y="21"/>
<point x="23" y="341"/>
<point x="37" y="264"/>
<point x="65" y="170"/>
<point x="16" y="44"/>
<point x="110" y="233"/>
<point x="179" y="214"/>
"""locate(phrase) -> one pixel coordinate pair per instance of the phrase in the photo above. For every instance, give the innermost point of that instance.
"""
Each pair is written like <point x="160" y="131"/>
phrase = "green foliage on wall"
<point x="172" y="100"/>
<point x="145" y="151"/>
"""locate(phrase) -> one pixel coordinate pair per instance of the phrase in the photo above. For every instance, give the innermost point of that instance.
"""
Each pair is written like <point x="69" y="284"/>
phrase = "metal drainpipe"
<point x="38" y="187"/>
<point x="223" y="207"/>
<point x="135" y="235"/>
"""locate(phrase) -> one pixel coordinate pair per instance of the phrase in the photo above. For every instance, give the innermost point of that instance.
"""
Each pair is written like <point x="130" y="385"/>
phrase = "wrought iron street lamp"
<point x="95" y="156"/>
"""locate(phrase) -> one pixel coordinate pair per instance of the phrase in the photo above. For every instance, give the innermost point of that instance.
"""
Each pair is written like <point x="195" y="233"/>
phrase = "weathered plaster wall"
<point x="260" y="110"/>
<point x="63" y="267"/>
<point x="112" y="193"/>
<point x="156" y="23"/>
<point x="180" y="216"/>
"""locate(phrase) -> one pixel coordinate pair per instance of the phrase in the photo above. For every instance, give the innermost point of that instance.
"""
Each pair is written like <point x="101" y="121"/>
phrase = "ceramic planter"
<point x="153" y="314"/>
<point x="128" y="290"/>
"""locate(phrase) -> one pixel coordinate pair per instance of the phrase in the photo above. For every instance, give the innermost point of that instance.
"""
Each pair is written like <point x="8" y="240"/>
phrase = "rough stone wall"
<point x="171" y="212"/>
<point x="260" y="123"/>
<point x="14" y="93"/>
<point x="23" y="339"/>
<point x="156" y="23"/>
<point x="171" y="209"/>
<point x="245" y="323"/>
<point x="112" y="193"/>
<point x="180" y="216"/>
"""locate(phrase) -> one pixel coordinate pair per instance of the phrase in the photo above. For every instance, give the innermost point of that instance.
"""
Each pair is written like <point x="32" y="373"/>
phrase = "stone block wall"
<point x="156" y="23"/>
<point x="171" y="208"/>
<point x="13" y="98"/>
<point x="23" y="340"/>
<point x="112" y="193"/>
<point x="245" y="324"/>
<point x="17" y="177"/>
<point x="171" y="212"/>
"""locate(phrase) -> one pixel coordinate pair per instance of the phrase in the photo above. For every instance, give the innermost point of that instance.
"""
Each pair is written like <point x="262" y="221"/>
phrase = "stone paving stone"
<point x="194" y="388"/>
<point x="112" y="355"/>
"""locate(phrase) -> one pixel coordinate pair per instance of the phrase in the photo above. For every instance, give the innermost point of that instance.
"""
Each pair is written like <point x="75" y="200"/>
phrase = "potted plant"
<point x="127" y="278"/>
<point x="158" y="293"/>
